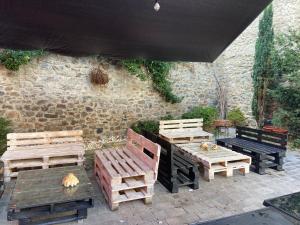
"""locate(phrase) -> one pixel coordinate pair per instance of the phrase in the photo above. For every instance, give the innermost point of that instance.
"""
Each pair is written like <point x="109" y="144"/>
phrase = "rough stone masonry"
<point x="54" y="92"/>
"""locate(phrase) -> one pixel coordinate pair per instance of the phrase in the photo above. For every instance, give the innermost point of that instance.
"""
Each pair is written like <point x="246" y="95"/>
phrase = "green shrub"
<point x="237" y="117"/>
<point x="209" y="114"/>
<point x="134" y="67"/>
<point x="13" y="59"/>
<point x="168" y="117"/>
<point x="296" y="143"/>
<point x="5" y="128"/>
<point x="148" y="125"/>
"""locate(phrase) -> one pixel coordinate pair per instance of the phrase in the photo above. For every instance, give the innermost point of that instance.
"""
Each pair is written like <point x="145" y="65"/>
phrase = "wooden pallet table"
<point x="40" y="198"/>
<point x="223" y="160"/>
<point x="266" y="149"/>
<point x="128" y="173"/>
<point x="41" y="150"/>
<point x="175" y="170"/>
<point x="183" y="131"/>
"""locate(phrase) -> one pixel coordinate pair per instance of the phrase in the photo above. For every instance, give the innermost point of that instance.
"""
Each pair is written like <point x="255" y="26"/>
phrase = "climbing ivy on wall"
<point x="13" y="59"/>
<point x="158" y="71"/>
<point x="263" y="71"/>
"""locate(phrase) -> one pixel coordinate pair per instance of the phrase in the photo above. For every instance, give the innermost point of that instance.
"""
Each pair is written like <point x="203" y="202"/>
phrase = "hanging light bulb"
<point x="156" y="6"/>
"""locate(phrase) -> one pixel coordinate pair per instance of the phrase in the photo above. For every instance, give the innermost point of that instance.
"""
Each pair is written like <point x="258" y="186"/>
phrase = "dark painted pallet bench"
<point x="266" y="216"/>
<point x="266" y="149"/>
<point x="40" y="198"/>
<point x="175" y="170"/>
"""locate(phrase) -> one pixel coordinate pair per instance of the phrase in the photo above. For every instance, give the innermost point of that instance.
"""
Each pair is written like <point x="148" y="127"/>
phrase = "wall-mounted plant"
<point x="99" y="77"/>
<point x="13" y="59"/>
<point x="158" y="71"/>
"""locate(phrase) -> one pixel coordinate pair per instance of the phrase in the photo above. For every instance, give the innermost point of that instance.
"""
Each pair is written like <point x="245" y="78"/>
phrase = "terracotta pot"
<point x="222" y="123"/>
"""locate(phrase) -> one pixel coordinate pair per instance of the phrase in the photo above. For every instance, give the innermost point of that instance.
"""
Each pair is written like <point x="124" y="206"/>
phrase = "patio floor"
<point x="219" y="198"/>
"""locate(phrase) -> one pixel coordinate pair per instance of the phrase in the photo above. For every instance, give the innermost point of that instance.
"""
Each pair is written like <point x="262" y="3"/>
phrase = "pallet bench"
<point x="222" y="161"/>
<point x="128" y="173"/>
<point x="40" y="198"/>
<point x="42" y="150"/>
<point x="175" y="170"/>
<point x="266" y="149"/>
<point x="183" y="131"/>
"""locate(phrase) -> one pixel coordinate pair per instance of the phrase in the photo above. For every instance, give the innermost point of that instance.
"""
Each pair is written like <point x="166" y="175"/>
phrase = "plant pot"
<point x="222" y="123"/>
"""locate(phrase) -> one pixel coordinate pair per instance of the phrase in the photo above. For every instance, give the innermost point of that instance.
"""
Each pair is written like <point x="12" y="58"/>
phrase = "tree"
<point x="287" y="93"/>
<point x="263" y="71"/>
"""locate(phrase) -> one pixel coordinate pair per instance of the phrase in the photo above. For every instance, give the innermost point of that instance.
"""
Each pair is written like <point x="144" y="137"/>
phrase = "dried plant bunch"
<point x="98" y="76"/>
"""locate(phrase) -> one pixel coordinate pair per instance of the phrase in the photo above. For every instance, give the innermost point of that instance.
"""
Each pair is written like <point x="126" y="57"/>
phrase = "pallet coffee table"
<point x="222" y="160"/>
<point x="40" y="198"/>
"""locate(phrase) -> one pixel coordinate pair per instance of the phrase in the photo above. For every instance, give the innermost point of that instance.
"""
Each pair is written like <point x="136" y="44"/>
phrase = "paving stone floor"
<point x="218" y="198"/>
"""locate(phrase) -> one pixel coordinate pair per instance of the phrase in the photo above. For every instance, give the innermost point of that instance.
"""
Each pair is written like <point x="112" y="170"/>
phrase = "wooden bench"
<point x="183" y="131"/>
<point x="266" y="149"/>
<point x="175" y="170"/>
<point x="41" y="150"/>
<point x="128" y="173"/>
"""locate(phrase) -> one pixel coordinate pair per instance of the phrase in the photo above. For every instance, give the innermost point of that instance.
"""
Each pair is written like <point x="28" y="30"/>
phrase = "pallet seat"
<point x="267" y="149"/>
<point x="183" y="131"/>
<point x="175" y="170"/>
<point x="128" y="173"/>
<point x="42" y="150"/>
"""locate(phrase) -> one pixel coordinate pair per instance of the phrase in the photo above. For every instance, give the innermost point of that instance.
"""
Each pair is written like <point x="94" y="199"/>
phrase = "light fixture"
<point x="156" y="6"/>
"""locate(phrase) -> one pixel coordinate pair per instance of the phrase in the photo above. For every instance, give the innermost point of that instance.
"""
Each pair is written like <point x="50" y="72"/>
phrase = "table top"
<point x="212" y="156"/>
<point x="288" y="204"/>
<point x="267" y="216"/>
<point x="44" y="186"/>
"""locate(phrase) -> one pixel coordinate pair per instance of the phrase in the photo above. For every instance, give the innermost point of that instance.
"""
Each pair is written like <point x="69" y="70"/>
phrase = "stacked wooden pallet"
<point x="222" y="160"/>
<point x="183" y="131"/>
<point x="42" y="150"/>
<point x="128" y="173"/>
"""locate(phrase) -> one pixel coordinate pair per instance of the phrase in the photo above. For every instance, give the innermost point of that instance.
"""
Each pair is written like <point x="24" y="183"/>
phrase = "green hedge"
<point x="237" y="117"/>
<point x="5" y="128"/>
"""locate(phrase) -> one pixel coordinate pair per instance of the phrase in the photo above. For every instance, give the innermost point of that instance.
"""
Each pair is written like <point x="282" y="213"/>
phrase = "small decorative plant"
<point x="97" y="76"/>
<point x="237" y="117"/>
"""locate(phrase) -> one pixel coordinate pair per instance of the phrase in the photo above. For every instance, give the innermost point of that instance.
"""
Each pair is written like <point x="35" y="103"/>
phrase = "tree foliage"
<point x="158" y="71"/>
<point x="263" y="69"/>
<point x="5" y="128"/>
<point x="287" y="93"/>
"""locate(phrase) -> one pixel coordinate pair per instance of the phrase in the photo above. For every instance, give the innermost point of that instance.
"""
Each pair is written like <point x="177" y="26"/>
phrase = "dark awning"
<point x="191" y="30"/>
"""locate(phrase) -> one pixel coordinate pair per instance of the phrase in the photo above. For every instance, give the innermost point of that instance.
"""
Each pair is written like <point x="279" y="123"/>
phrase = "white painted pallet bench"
<point x="128" y="173"/>
<point x="223" y="160"/>
<point x="183" y="131"/>
<point x="41" y="150"/>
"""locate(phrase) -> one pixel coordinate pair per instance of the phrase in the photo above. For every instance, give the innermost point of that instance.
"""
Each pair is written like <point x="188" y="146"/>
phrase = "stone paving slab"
<point x="218" y="198"/>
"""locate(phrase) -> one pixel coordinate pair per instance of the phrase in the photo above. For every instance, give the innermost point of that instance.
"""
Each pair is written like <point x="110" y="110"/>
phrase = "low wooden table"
<point x="287" y="204"/>
<point x="185" y="135"/>
<point x="40" y="198"/>
<point x="222" y="160"/>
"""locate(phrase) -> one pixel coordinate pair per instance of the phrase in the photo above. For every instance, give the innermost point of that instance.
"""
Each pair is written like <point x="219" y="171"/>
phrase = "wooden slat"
<point x="44" y="134"/>
<point x="33" y="142"/>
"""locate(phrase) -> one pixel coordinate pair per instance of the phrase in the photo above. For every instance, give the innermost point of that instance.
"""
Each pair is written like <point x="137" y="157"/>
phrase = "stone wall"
<point x="54" y="92"/>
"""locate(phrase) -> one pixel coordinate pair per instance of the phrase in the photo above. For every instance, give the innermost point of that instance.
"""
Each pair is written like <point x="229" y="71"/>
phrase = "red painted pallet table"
<point x="128" y="173"/>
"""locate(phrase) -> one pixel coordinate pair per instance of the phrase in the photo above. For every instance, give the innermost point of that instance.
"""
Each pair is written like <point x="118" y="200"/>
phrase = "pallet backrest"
<point x="167" y="149"/>
<point x="167" y="125"/>
<point x="265" y="137"/>
<point x="144" y="149"/>
<point x="24" y="141"/>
